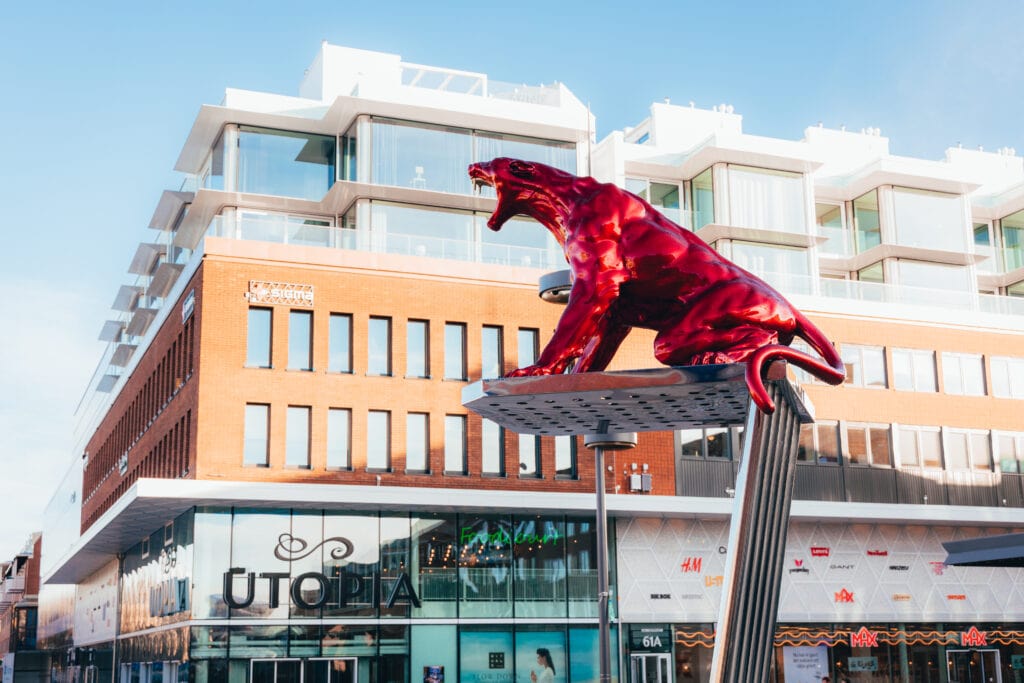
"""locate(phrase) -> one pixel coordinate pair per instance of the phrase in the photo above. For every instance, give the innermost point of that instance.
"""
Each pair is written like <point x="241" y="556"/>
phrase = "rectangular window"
<point x="1010" y="452"/>
<point x="914" y="370"/>
<point x="417" y="348"/>
<point x="565" y="457"/>
<point x="702" y="199"/>
<point x="285" y="163"/>
<point x="339" y="438"/>
<point x="963" y="374"/>
<point x="297" y="437"/>
<point x="819" y="442"/>
<point x="257" y="434"/>
<point x="417" y="442"/>
<point x="865" y="365"/>
<point x="831" y="225"/>
<point x="491" y="352"/>
<point x="787" y="268"/>
<point x="766" y="200"/>
<point x="1007" y="377"/>
<point x="968" y="450"/>
<point x="868" y="445"/>
<point x="258" y="342"/>
<point x="492" y="446"/>
<point x="529" y="455"/>
<point x="300" y="340"/>
<point x="931" y="220"/>
<point x="1012" y="230"/>
<point x="920" y="446"/>
<point x="339" y="357"/>
<point x="378" y="440"/>
<point x="455" y="444"/>
<point x="528" y="341"/>
<point x="455" y="351"/>
<point x="866" y="226"/>
<point x="378" y="347"/>
<point x="713" y="442"/>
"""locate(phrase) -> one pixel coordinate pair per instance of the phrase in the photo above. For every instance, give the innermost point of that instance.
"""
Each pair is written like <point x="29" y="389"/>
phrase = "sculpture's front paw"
<point x="530" y="371"/>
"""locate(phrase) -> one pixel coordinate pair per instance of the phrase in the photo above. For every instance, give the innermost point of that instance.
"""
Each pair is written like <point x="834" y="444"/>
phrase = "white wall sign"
<point x="804" y="663"/>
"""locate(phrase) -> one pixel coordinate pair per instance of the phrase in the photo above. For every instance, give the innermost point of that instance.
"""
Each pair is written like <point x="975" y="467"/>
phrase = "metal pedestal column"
<point x="745" y="633"/>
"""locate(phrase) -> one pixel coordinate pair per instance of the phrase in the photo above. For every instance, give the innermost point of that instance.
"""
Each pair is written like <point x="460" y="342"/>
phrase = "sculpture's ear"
<point x="521" y="169"/>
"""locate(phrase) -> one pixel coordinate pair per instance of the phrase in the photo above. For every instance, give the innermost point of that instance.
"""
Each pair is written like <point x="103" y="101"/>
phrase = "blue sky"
<point x="98" y="98"/>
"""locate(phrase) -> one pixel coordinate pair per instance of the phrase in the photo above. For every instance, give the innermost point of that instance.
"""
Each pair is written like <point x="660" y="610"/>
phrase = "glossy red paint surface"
<point x="632" y="267"/>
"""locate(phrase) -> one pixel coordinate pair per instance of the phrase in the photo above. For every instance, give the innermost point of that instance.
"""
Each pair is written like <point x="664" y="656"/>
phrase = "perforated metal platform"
<point x="630" y="401"/>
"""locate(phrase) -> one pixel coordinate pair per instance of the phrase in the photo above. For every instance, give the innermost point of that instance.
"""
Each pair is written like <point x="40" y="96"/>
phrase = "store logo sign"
<point x="819" y="551"/>
<point x="711" y="581"/>
<point x="901" y="597"/>
<point x="286" y="293"/>
<point x="843" y="567"/>
<point x="878" y="553"/>
<point x="956" y="596"/>
<point x="799" y="568"/>
<point x="844" y="596"/>
<point x="938" y="568"/>
<point x="334" y="590"/>
<point x="972" y="637"/>
<point x="899" y="567"/>
<point x="660" y="596"/>
<point x="691" y="565"/>
<point x="864" y="638"/>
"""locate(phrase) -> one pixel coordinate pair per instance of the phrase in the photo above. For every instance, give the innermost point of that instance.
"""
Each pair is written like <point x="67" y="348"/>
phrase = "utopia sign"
<point x="313" y="590"/>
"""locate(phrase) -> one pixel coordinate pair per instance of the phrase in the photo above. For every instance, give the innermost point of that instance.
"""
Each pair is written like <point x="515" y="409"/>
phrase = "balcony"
<point x="911" y="486"/>
<point x="12" y="589"/>
<point x="477" y="84"/>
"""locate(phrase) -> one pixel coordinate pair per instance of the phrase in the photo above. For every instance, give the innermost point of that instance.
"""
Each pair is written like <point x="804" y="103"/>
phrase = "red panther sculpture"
<point x="632" y="267"/>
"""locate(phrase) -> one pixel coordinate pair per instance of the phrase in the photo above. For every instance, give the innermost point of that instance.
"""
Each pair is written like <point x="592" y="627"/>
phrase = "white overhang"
<point x="712" y="232"/>
<point x="337" y="201"/>
<point x="935" y="176"/>
<point x="112" y="331"/>
<point x="168" y="209"/>
<point x="122" y="354"/>
<point x="150" y="503"/>
<point x="1002" y="279"/>
<point x="340" y="116"/>
<point x="141" y="320"/>
<point x="884" y="251"/>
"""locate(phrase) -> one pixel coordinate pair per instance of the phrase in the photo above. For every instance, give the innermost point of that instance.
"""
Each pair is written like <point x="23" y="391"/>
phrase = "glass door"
<point x="973" y="666"/>
<point x="331" y="671"/>
<point x="276" y="671"/>
<point x="649" y="668"/>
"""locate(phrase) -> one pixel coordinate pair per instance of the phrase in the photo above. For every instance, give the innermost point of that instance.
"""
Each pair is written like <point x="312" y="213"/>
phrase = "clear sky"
<point x="96" y="99"/>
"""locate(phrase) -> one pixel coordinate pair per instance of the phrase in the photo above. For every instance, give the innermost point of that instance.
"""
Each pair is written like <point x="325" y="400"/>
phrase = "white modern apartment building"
<point x="278" y="481"/>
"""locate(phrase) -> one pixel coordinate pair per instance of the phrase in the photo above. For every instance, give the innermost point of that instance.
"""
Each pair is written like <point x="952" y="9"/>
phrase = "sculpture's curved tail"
<point x="829" y="368"/>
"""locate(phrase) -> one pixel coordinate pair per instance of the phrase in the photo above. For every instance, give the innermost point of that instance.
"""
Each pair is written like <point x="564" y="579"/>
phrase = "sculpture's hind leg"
<point x="725" y="325"/>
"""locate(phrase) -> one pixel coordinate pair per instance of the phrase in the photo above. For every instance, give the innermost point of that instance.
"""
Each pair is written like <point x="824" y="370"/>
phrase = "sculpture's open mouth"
<point x="483" y="176"/>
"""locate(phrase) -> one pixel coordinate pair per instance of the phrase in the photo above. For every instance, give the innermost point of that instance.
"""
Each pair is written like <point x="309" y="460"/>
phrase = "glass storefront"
<point x="339" y="596"/>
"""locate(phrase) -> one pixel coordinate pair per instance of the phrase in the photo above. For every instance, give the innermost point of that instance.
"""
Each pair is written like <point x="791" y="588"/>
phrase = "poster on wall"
<point x="540" y="657"/>
<point x="433" y="674"/>
<point x="804" y="663"/>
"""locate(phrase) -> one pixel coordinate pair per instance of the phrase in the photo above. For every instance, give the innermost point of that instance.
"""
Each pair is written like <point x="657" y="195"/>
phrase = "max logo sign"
<point x="844" y="596"/>
<point x="313" y="590"/>
<point x="973" y="637"/>
<point x="863" y="638"/>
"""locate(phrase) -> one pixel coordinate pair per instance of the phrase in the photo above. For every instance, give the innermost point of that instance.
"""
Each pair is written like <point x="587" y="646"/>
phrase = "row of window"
<point x="833" y="442"/>
<point x="378" y="438"/>
<point x="379" y="356"/>
<point x="963" y="374"/>
<point x="149" y="401"/>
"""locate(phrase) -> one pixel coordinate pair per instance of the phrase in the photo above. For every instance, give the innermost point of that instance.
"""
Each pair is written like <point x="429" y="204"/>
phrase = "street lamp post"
<point x="600" y="442"/>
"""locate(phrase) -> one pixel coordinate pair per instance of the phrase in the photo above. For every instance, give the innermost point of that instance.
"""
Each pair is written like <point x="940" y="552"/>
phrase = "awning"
<point x="1004" y="550"/>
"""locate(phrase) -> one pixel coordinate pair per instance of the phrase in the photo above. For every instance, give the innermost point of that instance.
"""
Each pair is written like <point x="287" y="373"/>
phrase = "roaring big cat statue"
<point x="632" y="267"/>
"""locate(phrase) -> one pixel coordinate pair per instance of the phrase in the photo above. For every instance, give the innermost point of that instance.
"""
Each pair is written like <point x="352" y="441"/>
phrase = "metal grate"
<point x="630" y="401"/>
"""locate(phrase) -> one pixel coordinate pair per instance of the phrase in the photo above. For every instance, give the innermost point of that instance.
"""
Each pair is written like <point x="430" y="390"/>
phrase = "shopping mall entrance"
<point x="973" y="666"/>
<point x="305" y="670"/>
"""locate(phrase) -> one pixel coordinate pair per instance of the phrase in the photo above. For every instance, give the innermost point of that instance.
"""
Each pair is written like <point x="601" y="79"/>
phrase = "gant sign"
<point x="313" y="590"/>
